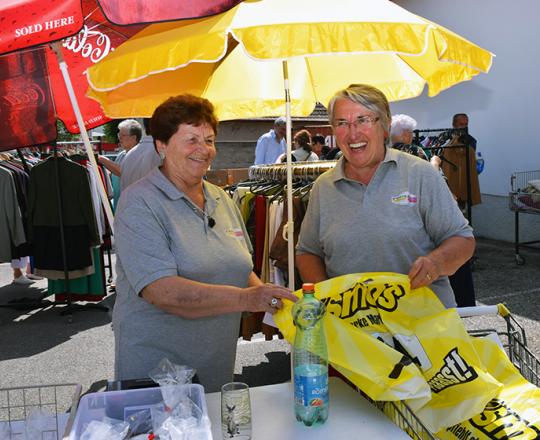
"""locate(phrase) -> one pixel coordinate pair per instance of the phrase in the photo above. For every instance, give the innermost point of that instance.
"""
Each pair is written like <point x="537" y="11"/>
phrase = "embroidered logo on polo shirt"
<point x="235" y="233"/>
<point x="405" y="199"/>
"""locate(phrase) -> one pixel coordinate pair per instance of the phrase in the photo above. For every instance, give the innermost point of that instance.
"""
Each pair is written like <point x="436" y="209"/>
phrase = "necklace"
<point x="200" y="213"/>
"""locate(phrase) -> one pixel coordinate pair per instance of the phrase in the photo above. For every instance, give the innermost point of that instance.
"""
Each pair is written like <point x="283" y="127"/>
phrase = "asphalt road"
<point x="40" y="346"/>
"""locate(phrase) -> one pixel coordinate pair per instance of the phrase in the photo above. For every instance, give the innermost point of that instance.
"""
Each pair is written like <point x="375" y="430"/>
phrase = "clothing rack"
<point x="271" y="254"/>
<point x="448" y="133"/>
<point x="82" y="151"/>
<point x="71" y="308"/>
<point x="300" y="170"/>
<point x="23" y="160"/>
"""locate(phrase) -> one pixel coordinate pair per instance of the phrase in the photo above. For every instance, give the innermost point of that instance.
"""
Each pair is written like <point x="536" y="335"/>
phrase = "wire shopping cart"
<point x="58" y="403"/>
<point x="514" y="341"/>
<point x="524" y="198"/>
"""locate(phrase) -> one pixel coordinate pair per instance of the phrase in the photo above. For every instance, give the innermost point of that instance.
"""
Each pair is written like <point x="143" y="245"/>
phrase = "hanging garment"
<point x="11" y="224"/>
<point x="278" y="250"/>
<point x="80" y="228"/>
<point x="260" y="230"/>
<point x="455" y="170"/>
<point x="275" y="213"/>
<point x="87" y="288"/>
<point x="20" y="179"/>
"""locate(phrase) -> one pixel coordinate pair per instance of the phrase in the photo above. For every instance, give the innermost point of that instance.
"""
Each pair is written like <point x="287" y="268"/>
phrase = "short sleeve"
<point x="142" y="243"/>
<point x="309" y="238"/>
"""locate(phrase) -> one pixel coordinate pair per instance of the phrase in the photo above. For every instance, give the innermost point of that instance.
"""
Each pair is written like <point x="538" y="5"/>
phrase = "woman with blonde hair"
<point x="396" y="213"/>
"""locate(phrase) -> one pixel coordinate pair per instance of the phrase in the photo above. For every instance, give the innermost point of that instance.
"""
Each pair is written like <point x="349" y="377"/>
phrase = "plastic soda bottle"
<point x="309" y="359"/>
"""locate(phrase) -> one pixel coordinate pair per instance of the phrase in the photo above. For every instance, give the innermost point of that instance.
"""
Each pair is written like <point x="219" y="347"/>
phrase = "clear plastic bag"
<point x="168" y="376"/>
<point x="107" y="428"/>
<point x="167" y="373"/>
<point x="139" y="423"/>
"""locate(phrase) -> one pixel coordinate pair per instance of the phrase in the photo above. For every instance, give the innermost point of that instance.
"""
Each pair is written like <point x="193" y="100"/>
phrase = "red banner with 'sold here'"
<point x="26" y="23"/>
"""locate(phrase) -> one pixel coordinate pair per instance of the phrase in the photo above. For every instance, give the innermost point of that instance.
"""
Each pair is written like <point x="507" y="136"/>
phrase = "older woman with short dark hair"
<point x="185" y="271"/>
<point x="396" y="213"/>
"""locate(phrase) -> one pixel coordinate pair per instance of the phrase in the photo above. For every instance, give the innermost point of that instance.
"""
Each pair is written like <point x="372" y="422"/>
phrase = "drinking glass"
<point x="235" y="411"/>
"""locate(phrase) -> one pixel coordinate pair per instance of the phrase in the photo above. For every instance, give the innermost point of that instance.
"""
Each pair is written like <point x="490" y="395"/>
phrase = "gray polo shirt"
<point x="159" y="234"/>
<point x="138" y="162"/>
<point x="405" y="212"/>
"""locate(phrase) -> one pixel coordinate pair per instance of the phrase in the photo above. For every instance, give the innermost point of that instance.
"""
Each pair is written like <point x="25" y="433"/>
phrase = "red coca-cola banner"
<point x="25" y="23"/>
<point x="90" y="45"/>
<point x="26" y="107"/>
<point x="149" y="11"/>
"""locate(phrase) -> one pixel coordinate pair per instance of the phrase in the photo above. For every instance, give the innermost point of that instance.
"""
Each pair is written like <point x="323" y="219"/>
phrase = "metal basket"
<point x="520" y="199"/>
<point x="58" y="401"/>
<point x="515" y="343"/>
<point x="404" y="418"/>
<point x="518" y="352"/>
<point x="520" y="180"/>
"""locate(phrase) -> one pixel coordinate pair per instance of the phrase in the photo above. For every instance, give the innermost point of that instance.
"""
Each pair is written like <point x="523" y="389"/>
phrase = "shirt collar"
<point x="339" y="170"/>
<point x="273" y="134"/>
<point x="173" y="193"/>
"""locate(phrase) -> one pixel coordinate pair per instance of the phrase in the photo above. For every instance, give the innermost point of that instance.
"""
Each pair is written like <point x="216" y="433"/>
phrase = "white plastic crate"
<point x="120" y="404"/>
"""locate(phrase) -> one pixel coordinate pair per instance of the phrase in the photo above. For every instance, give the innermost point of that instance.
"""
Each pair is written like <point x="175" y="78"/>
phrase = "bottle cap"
<point x="308" y="287"/>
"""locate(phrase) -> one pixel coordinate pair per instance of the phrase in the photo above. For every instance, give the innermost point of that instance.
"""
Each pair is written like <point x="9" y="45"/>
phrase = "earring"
<point x="162" y="155"/>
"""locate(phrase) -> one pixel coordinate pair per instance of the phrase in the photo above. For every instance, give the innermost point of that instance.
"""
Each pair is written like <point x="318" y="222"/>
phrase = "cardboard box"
<point x="218" y="177"/>
<point x="237" y="175"/>
<point x="227" y="176"/>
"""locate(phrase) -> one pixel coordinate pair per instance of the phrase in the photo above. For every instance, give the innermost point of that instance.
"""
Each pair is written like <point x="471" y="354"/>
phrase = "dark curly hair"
<point x="181" y="109"/>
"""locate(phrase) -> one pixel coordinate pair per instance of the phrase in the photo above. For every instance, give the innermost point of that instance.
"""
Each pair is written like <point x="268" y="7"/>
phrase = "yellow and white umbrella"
<point x="242" y="60"/>
<point x="327" y="44"/>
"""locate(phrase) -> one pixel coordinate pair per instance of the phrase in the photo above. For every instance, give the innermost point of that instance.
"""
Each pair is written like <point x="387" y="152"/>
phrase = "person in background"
<point x="129" y="134"/>
<point x="461" y="121"/>
<point x="396" y="213"/>
<point x="272" y="144"/>
<point x="21" y="278"/>
<point x="333" y="153"/>
<point x="402" y="131"/>
<point x="401" y="134"/>
<point x="401" y="137"/>
<point x="460" y="166"/>
<point x="462" y="281"/>
<point x="302" y="149"/>
<point x="139" y="160"/>
<point x="319" y="147"/>
<point x="184" y="264"/>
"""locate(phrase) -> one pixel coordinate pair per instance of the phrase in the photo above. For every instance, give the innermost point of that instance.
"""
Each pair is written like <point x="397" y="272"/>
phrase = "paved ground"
<point x="40" y="346"/>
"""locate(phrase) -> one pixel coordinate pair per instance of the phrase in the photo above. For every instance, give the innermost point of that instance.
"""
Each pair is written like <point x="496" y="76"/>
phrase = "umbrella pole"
<point x="89" y="150"/>
<point x="290" y="222"/>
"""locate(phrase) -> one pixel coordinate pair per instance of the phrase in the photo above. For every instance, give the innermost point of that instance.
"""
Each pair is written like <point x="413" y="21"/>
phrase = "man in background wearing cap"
<point x="272" y="144"/>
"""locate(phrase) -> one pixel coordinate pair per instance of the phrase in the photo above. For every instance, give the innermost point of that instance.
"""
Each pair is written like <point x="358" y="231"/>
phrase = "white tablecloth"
<point x="350" y="416"/>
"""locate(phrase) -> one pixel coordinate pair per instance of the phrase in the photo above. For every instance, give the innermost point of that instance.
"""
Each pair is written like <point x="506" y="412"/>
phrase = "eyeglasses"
<point x="360" y="122"/>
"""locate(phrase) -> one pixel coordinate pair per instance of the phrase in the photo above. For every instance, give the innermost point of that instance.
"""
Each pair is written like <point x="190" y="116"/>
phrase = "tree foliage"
<point x="63" y="135"/>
